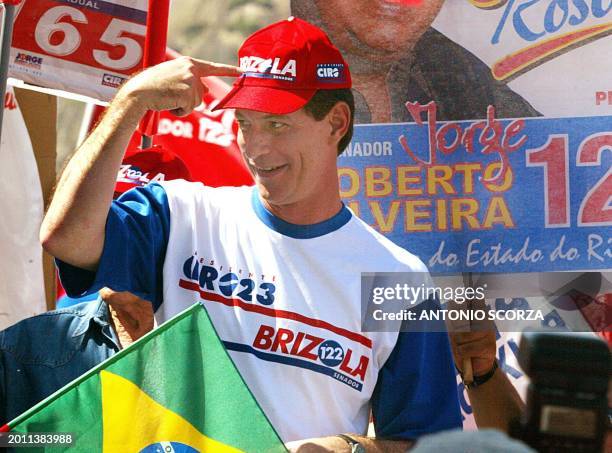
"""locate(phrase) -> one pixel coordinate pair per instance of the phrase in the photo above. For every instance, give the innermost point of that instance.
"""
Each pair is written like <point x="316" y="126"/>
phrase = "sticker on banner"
<point x="111" y="80"/>
<point x="28" y="60"/>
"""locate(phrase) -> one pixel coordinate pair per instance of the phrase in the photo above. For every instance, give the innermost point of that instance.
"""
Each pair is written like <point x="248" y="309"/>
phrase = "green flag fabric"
<point x="174" y="390"/>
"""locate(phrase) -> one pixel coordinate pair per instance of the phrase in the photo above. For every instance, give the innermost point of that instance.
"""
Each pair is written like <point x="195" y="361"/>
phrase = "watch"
<point x="356" y="446"/>
<point x="479" y="380"/>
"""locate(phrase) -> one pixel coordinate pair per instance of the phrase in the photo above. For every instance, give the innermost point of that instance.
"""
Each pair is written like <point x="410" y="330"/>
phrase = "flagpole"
<point x="154" y="53"/>
<point x="7" y="38"/>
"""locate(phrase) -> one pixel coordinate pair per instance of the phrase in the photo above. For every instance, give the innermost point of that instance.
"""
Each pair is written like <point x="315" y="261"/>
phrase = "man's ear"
<point x="339" y="118"/>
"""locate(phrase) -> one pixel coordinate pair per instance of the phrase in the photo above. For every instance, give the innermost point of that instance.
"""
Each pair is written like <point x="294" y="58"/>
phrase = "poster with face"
<point x="396" y="56"/>
<point x="483" y="139"/>
<point x="473" y="157"/>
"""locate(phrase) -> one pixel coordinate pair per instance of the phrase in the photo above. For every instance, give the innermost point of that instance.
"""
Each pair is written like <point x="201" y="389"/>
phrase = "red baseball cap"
<point x="139" y="167"/>
<point x="285" y="64"/>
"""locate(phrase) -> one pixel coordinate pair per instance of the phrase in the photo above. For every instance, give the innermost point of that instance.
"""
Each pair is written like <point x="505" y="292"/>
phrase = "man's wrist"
<point x="354" y="445"/>
<point x="481" y="379"/>
<point x="130" y="103"/>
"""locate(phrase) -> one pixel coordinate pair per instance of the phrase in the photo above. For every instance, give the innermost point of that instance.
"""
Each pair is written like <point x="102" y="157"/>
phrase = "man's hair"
<point x="323" y="101"/>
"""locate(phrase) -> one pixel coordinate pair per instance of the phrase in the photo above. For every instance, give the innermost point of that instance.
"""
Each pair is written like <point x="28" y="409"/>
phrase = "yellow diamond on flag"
<point x="133" y="421"/>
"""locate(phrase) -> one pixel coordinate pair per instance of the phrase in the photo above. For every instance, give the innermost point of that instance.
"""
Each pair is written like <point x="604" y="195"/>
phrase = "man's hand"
<point x="477" y="346"/>
<point x="336" y="444"/>
<point x="319" y="445"/>
<point x="496" y="402"/>
<point x="131" y="316"/>
<point x="473" y="340"/>
<point x="174" y="85"/>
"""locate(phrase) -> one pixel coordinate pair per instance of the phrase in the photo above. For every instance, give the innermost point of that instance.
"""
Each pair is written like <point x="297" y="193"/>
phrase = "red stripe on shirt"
<point x="212" y="297"/>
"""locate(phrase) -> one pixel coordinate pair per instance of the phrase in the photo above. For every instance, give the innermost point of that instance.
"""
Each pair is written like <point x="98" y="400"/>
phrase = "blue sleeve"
<point x="137" y="231"/>
<point x="416" y="392"/>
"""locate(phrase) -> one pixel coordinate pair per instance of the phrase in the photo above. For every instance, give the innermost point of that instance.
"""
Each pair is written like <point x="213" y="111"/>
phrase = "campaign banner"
<point x="518" y="195"/>
<point x="88" y="47"/>
<point x="527" y="59"/>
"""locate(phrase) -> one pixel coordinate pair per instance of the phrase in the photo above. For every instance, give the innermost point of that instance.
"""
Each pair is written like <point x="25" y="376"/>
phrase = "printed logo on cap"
<point x="135" y="175"/>
<point x="269" y="68"/>
<point x="284" y="65"/>
<point x="330" y="72"/>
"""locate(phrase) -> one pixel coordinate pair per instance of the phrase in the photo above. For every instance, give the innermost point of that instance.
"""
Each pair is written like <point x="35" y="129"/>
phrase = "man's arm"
<point x="73" y="228"/>
<point x="496" y="402"/>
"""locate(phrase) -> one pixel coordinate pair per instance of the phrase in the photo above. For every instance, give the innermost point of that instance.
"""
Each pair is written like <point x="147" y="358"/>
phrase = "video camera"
<point x="567" y="405"/>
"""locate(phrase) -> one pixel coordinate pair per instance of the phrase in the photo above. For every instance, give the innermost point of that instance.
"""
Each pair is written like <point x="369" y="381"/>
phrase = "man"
<point x="41" y="354"/>
<point x="277" y="266"/>
<point x="396" y="56"/>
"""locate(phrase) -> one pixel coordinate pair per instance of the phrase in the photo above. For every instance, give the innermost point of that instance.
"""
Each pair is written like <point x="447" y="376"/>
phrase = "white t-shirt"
<point x="285" y="301"/>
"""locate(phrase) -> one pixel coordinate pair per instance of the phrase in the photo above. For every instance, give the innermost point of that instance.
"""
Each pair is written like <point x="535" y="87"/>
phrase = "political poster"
<point x="87" y="47"/>
<point x="552" y="53"/>
<point x="480" y="109"/>
<point x="497" y="108"/>
<point x="521" y="195"/>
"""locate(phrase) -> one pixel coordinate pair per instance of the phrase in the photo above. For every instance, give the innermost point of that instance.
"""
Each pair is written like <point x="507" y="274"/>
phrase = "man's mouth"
<point x="393" y="7"/>
<point x="268" y="171"/>
<point x="403" y="2"/>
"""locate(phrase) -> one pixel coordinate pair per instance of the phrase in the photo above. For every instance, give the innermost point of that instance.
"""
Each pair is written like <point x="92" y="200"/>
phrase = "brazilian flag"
<point x="174" y="390"/>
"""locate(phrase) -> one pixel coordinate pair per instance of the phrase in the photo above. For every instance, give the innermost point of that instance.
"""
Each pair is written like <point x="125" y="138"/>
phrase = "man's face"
<point x="378" y="27"/>
<point x="292" y="157"/>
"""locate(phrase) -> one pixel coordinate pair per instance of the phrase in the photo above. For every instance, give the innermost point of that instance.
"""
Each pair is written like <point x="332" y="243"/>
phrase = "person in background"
<point x="41" y="354"/>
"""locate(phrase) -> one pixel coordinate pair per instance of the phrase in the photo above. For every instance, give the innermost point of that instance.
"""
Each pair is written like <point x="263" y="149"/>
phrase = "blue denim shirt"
<point x="39" y="355"/>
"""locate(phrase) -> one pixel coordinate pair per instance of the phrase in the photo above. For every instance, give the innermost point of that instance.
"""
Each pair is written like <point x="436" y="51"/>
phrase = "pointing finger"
<point x="207" y="68"/>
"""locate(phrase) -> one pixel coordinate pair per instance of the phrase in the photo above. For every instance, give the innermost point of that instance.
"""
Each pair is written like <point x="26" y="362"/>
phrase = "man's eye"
<point x="276" y="125"/>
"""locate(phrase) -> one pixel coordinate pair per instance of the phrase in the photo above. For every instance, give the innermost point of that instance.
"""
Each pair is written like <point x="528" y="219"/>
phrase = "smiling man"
<point x="277" y="266"/>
